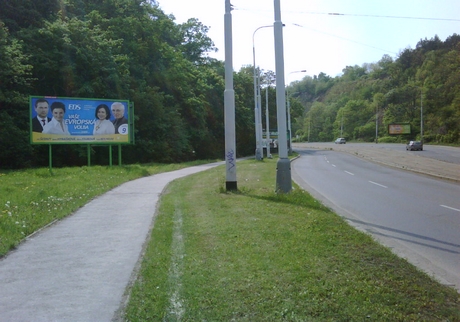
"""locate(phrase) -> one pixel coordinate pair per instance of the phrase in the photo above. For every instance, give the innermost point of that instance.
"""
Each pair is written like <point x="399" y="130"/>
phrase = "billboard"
<point x="395" y="129"/>
<point x="71" y="120"/>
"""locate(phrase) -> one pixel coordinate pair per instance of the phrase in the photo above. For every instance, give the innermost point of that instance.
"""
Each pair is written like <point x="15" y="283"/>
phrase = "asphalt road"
<point x="437" y="161"/>
<point x="417" y="216"/>
<point x="437" y="152"/>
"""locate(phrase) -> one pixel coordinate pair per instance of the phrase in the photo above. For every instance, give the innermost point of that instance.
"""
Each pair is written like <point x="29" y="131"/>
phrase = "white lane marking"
<point x="334" y="165"/>
<point x="351" y="174"/>
<point x="455" y="209"/>
<point x="378" y="184"/>
<point x="176" y="270"/>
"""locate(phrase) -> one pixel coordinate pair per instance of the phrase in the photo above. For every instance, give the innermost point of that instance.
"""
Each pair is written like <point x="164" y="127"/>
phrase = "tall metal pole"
<point x="341" y="127"/>
<point x="421" y="115"/>
<point x="257" y="101"/>
<point x="258" y="151"/>
<point x="283" y="170"/>
<point x="229" y="104"/>
<point x="259" y="110"/>
<point x="289" y="118"/>
<point x="267" y="122"/>
<point x="377" y="123"/>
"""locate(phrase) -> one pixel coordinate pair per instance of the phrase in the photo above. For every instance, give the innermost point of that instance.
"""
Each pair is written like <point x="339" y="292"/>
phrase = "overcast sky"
<point x="314" y="39"/>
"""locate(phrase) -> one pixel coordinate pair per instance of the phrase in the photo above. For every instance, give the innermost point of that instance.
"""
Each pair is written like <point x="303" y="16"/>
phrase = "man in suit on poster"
<point x="118" y="110"/>
<point x="39" y="121"/>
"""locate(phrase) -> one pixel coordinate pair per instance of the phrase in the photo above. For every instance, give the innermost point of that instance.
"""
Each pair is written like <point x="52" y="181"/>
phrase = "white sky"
<point x="313" y="39"/>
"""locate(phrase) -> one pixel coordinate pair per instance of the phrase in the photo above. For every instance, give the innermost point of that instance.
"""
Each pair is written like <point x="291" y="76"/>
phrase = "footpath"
<point x="79" y="268"/>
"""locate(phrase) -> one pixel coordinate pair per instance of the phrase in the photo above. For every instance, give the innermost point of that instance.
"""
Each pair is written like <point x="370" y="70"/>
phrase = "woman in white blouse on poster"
<point x="57" y="124"/>
<point x="103" y="124"/>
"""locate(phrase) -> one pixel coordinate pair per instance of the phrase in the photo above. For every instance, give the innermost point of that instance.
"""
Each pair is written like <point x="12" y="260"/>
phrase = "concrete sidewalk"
<point x="78" y="269"/>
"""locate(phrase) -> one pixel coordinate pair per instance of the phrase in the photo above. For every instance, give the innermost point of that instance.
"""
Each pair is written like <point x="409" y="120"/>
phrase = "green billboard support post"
<point x="50" y="157"/>
<point x="110" y="155"/>
<point x="88" y="152"/>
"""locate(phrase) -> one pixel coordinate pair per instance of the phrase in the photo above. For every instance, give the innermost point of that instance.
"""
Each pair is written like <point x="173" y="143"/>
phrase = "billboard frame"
<point x="80" y="120"/>
<point x="399" y="129"/>
<point x="85" y="137"/>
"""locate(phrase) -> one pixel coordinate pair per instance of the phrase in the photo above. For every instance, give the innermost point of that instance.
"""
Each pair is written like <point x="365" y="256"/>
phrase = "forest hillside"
<point x="132" y="50"/>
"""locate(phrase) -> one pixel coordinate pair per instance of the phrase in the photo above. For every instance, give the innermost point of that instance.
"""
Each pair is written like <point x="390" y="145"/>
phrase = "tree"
<point x="21" y="14"/>
<point x="195" y="43"/>
<point x="15" y="81"/>
<point x="352" y="73"/>
<point x="15" y="70"/>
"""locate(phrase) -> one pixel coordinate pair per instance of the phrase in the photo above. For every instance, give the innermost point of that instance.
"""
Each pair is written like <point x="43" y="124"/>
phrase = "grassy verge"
<point x="31" y="199"/>
<point x="258" y="256"/>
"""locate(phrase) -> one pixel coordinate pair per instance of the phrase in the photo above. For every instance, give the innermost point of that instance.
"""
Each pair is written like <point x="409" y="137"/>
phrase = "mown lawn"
<point x="33" y="198"/>
<point x="258" y="256"/>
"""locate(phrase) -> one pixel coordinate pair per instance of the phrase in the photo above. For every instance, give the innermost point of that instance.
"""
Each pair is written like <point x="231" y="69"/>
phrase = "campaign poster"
<point x="66" y="120"/>
<point x="396" y="129"/>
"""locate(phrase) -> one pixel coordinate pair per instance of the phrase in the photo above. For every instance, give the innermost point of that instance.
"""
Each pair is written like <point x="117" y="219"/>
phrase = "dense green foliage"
<point x="130" y="49"/>
<point x="393" y="91"/>
<point x="118" y="49"/>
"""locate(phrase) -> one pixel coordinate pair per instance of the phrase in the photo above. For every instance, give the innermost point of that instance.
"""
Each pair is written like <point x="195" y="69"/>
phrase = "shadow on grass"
<point x="297" y="197"/>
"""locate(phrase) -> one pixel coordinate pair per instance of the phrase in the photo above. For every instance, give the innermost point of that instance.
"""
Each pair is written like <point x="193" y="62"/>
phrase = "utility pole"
<point x="376" y="123"/>
<point x="283" y="170"/>
<point x="229" y="104"/>
<point x="421" y="114"/>
<point x="257" y="100"/>
<point x="341" y="127"/>
<point x="267" y="122"/>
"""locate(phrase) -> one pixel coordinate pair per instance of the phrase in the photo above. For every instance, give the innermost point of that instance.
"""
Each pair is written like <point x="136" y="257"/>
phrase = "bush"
<point x="388" y="139"/>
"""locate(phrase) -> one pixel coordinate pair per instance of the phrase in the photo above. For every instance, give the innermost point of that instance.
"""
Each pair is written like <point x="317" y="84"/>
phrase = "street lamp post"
<point x="289" y="109"/>
<point x="283" y="169"/>
<point x="229" y="104"/>
<point x="257" y="105"/>
<point x="377" y="123"/>
<point x="341" y="127"/>
<point x="421" y="115"/>
<point x="267" y="122"/>
<point x="421" y="112"/>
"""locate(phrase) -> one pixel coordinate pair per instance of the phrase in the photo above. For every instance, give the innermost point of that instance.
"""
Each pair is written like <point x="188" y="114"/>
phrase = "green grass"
<point x="246" y="256"/>
<point x="258" y="256"/>
<point x="31" y="199"/>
